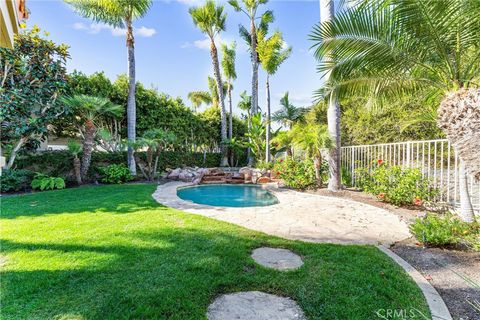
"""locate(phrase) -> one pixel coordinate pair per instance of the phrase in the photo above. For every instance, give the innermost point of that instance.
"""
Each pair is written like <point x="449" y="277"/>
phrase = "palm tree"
<point x="245" y="103"/>
<point x="327" y="12"/>
<point x="75" y="149"/>
<point x="89" y="110"/>
<point x="289" y="114"/>
<point x="386" y="48"/>
<point x="119" y="14"/>
<point x="228" y="66"/>
<point x="210" y="19"/>
<point x="250" y="9"/>
<point x="312" y="137"/>
<point x="199" y="97"/>
<point x="271" y="54"/>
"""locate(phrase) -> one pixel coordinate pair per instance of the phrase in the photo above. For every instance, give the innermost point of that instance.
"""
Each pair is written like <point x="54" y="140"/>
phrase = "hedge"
<point x="60" y="163"/>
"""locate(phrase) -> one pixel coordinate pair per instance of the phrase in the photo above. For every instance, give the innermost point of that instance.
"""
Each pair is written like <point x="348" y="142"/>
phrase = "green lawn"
<point x="112" y="252"/>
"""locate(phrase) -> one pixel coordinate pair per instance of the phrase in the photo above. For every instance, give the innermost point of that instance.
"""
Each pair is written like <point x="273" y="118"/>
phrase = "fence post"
<point x="353" y="166"/>
<point x="409" y="151"/>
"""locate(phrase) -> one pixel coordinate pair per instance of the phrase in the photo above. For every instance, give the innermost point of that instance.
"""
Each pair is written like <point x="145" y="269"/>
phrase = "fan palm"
<point x="385" y="48"/>
<point x="272" y="54"/>
<point x="228" y="66"/>
<point x="250" y="9"/>
<point x="89" y="109"/>
<point x="289" y="114"/>
<point x="119" y="14"/>
<point x="210" y="19"/>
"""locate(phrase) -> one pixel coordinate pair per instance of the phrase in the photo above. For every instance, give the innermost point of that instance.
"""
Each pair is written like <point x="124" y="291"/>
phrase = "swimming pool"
<point x="227" y="195"/>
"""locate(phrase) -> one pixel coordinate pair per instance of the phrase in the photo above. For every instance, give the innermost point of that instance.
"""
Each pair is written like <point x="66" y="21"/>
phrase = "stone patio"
<point x="302" y="216"/>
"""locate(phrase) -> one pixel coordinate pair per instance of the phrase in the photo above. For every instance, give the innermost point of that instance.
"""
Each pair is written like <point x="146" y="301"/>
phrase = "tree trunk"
<point x="223" y="118"/>
<point x="327" y="12"/>
<point x="230" y="118"/>
<point x="253" y="32"/>
<point x="333" y="117"/>
<point x="87" y="148"/>
<point x="267" y="138"/>
<point x="77" y="169"/>
<point x="131" y="108"/>
<point x="317" y="163"/>
<point x="14" y="152"/>
<point x="466" y="210"/>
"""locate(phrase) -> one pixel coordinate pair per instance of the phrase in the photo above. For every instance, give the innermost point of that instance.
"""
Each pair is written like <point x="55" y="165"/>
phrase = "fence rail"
<point x="436" y="159"/>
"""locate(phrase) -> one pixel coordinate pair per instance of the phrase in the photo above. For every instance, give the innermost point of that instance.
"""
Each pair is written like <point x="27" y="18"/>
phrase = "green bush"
<point x="44" y="182"/>
<point x="297" y="174"/>
<point x="15" y="180"/>
<point x="115" y="173"/>
<point x="59" y="163"/>
<point x="394" y="184"/>
<point x="438" y="231"/>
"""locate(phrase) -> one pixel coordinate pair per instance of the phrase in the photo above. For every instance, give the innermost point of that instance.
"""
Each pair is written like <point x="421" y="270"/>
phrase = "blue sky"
<point x="171" y="53"/>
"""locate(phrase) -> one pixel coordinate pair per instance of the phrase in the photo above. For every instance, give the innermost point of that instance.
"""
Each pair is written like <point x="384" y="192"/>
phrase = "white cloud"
<point x="95" y="28"/>
<point x="204" y="44"/>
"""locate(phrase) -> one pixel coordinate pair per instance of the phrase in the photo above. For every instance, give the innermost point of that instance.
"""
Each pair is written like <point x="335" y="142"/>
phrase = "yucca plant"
<point x="75" y="149"/>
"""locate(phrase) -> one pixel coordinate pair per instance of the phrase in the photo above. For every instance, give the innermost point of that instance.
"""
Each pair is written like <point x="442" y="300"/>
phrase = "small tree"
<point x="88" y="110"/>
<point x="32" y="76"/>
<point x="154" y="141"/>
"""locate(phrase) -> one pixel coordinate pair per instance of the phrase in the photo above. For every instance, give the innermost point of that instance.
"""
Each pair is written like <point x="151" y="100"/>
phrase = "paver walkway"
<point x="302" y="216"/>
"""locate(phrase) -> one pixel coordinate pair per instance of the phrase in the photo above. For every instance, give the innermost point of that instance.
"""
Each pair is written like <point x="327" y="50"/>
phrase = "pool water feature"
<point x="226" y="195"/>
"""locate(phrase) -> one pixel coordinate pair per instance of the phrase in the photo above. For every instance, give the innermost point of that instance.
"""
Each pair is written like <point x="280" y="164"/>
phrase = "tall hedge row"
<point x="60" y="163"/>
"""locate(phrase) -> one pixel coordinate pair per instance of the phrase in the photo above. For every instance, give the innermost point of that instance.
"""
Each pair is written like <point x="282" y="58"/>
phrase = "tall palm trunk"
<point x="254" y="106"/>
<point x="223" y="118"/>
<point x="333" y="114"/>
<point x="90" y="130"/>
<point x="267" y="138"/>
<point x="466" y="210"/>
<point x="131" y="108"/>
<point x="230" y="118"/>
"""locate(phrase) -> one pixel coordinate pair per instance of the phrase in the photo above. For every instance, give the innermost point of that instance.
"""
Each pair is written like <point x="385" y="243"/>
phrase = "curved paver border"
<point x="438" y="309"/>
<point x="301" y="216"/>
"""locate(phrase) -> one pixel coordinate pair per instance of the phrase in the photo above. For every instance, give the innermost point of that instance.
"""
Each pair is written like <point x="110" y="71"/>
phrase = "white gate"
<point x="435" y="158"/>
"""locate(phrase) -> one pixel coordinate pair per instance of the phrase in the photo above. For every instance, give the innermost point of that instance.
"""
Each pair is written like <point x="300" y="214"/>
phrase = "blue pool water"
<point x="225" y="195"/>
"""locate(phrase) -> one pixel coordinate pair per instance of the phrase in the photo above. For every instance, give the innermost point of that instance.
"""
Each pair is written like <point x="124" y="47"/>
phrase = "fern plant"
<point x="44" y="182"/>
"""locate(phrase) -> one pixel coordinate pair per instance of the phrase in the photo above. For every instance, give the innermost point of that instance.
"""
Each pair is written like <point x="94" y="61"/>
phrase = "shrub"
<point x="59" y="163"/>
<point x="297" y="174"/>
<point x="15" y="180"/>
<point x="438" y="231"/>
<point x="394" y="184"/>
<point x="115" y="173"/>
<point x="44" y="182"/>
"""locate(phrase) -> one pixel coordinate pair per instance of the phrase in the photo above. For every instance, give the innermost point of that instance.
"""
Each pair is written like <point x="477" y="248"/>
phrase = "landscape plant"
<point x="446" y="231"/>
<point x="119" y="14"/>
<point x="88" y="109"/>
<point x="44" y="182"/>
<point x="13" y="180"/>
<point x="272" y="54"/>
<point x="75" y="149"/>
<point x="228" y="67"/>
<point x="395" y="184"/>
<point x="32" y="77"/>
<point x="115" y="173"/>
<point x="296" y="173"/>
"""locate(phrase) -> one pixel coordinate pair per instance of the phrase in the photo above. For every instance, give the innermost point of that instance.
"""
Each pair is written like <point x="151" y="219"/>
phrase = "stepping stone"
<point x="280" y="259"/>
<point x="254" y="305"/>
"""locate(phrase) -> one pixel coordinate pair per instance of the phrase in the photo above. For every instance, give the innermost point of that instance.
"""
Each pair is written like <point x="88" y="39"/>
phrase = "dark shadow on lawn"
<point x="176" y="273"/>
